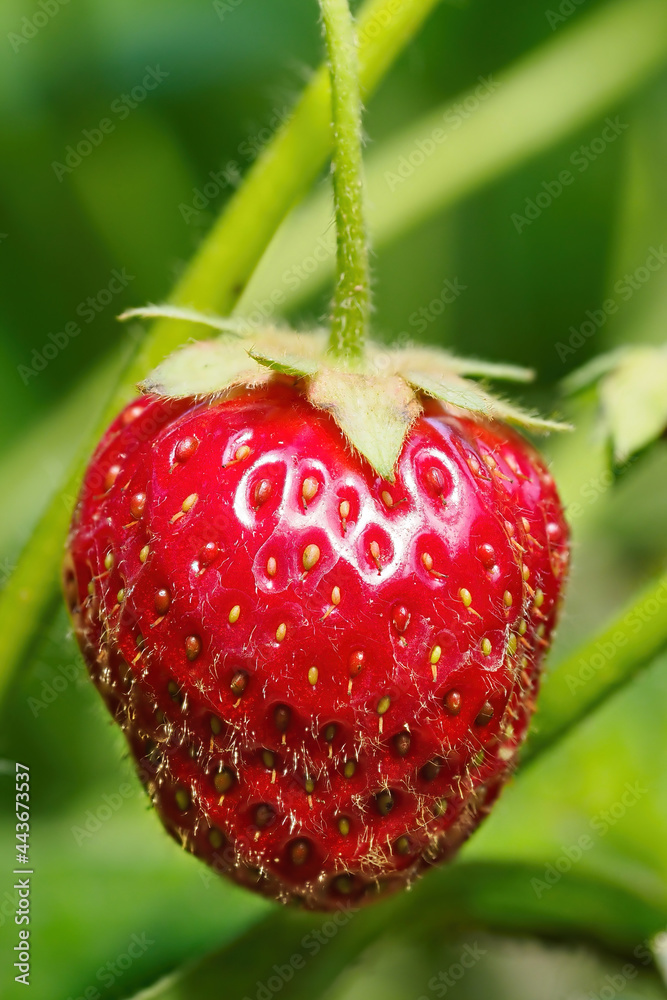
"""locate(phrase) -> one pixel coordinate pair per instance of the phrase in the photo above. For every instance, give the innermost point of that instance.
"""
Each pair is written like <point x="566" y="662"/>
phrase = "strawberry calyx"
<point x="629" y="383"/>
<point x="374" y="406"/>
<point x="374" y="394"/>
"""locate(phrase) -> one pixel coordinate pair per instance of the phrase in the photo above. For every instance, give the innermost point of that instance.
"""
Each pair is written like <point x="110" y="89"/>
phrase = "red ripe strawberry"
<point x="324" y="677"/>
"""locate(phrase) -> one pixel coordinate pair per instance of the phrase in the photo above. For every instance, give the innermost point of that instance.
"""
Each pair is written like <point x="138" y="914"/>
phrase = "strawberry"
<point x="323" y="675"/>
<point x="314" y="580"/>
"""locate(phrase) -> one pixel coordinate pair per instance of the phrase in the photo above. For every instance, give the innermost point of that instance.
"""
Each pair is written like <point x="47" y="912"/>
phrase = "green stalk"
<point x="351" y="307"/>
<point x="600" y="667"/>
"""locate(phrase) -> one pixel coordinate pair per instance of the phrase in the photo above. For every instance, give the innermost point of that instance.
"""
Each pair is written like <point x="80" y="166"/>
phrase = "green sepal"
<point x="374" y="408"/>
<point x="208" y="368"/>
<point x="589" y="374"/>
<point x="452" y="390"/>
<point x="233" y="325"/>
<point x="285" y="364"/>
<point x="528" y="421"/>
<point x="633" y="398"/>
<point x="463" y="393"/>
<point x="490" y="369"/>
<point x="374" y="412"/>
<point x="203" y="368"/>
<point x="439" y="362"/>
<point x="631" y="385"/>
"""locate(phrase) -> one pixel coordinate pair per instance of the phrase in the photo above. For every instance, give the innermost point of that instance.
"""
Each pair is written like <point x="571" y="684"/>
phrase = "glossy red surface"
<point x="324" y="677"/>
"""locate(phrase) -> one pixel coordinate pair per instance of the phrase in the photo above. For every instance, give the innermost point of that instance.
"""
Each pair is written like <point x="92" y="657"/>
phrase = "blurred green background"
<point x="223" y="76"/>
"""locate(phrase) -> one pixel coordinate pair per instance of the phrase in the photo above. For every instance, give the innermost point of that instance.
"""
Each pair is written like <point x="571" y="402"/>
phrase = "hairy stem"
<point x="280" y="176"/>
<point x="351" y="305"/>
<point x="528" y="108"/>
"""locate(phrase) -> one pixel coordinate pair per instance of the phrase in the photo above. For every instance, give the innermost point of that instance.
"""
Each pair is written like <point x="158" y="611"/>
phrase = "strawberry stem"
<point x="351" y="305"/>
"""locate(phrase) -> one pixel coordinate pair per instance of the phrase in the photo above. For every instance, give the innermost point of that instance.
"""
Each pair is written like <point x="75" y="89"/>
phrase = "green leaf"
<point x="632" y="390"/>
<point x="374" y="412"/>
<point x="439" y="362"/>
<point x="208" y="367"/>
<point x="633" y="398"/>
<point x="463" y="898"/>
<point x="590" y="373"/>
